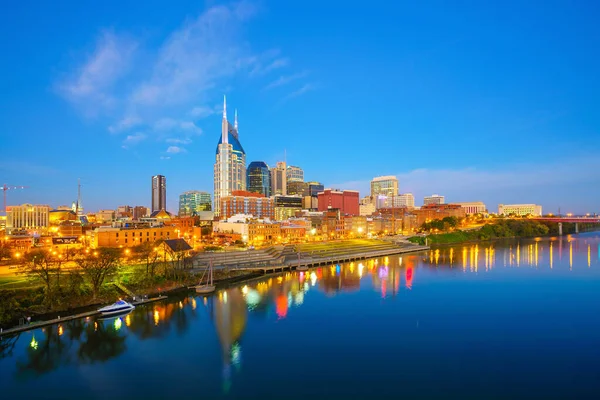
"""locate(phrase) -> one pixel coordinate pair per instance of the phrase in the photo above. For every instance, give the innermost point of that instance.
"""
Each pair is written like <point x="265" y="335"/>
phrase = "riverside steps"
<point x="280" y="258"/>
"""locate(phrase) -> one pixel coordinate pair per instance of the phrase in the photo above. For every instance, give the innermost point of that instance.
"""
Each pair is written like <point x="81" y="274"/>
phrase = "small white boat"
<point x="208" y="287"/>
<point x="119" y="307"/>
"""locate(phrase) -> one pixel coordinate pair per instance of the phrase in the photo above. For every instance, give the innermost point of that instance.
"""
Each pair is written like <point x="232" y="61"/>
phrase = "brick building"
<point x="248" y="203"/>
<point x="346" y="201"/>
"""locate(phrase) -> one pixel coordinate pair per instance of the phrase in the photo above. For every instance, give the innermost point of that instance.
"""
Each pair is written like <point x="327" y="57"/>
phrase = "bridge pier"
<point x="576" y="227"/>
<point x="560" y="229"/>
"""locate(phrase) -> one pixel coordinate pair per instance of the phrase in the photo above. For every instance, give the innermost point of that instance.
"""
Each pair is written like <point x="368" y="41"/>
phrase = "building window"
<point x="125" y="240"/>
<point x="117" y="234"/>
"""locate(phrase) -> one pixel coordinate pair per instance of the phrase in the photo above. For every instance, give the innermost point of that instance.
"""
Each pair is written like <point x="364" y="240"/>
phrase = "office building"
<point x="192" y="202"/>
<point x="405" y="200"/>
<point x="384" y="185"/>
<point x="27" y="218"/>
<point x="313" y="188"/>
<point x="294" y="174"/>
<point x="159" y="193"/>
<point x="247" y="203"/>
<point x="258" y="179"/>
<point x="346" y="201"/>
<point x="520" y="209"/>
<point x="473" y="207"/>
<point x="287" y="206"/>
<point x="140" y="212"/>
<point x="279" y="179"/>
<point x="296" y="188"/>
<point x="230" y="162"/>
<point x="434" y="199"/>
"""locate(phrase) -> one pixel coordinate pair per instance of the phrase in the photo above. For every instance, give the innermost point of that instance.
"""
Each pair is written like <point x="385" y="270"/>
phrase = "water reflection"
<point x="276" y="298"/>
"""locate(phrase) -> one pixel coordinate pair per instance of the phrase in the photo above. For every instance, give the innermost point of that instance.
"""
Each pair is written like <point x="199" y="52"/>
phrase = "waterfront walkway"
<point x="41" y="324"/>
<point x="278" y="259"/>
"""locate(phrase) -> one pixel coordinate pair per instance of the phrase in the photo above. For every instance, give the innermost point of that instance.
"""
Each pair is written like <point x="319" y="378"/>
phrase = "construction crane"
<point x="6" y="188"/>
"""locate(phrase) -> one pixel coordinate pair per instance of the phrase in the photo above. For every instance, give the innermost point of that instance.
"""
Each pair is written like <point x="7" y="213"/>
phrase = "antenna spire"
<point x="235" y="124"/>
<point x="224" y="107"/>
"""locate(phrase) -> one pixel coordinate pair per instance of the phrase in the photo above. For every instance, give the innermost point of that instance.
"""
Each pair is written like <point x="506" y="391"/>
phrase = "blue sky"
<point x="491" y="101"/>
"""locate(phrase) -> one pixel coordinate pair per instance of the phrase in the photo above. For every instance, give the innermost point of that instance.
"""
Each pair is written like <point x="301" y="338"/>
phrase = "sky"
<point x="478" y="101"/>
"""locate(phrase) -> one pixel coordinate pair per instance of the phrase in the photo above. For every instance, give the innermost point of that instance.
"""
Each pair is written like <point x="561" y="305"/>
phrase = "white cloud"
<point x="124" y="124"/>
<point x="165" y="158"/>
<point x="547" y="184"/>
<point x="305" y="88"/>
<point x="175" y="150"/>
<point x="202" y="112"/>
<point x="179" y="141"/>
<point x="93" y="82"/>
<point x="132" y="140"/>
<point x="284" y="80"/>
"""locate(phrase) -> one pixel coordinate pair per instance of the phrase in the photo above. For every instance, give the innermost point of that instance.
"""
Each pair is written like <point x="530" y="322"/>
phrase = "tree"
<point x="4" y="251"/>
<point x="42" y="265"/>
<point x="147" y="253"/>
<point x="97" y="266"/>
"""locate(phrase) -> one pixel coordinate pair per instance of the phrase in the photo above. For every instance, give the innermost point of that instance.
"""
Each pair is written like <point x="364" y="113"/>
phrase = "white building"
<point x="27" y="217"/>
<point x="384" y="185"/>
<point x="434" y="199"/>
<point x="406" y="200"/>
<point x="230" y="162"/>
<point x="235" y="224"/>
<point x="520" y="209"/>
<point x="473" y="207"/>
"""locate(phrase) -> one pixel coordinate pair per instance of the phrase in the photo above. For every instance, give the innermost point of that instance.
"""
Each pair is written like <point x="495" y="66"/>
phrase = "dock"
<point x="41" y="324"/>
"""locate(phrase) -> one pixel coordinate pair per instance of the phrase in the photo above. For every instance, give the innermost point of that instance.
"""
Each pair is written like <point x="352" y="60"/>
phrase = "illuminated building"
<point x="366" y="209"/>
<point x="294" y="174"/>
<point x="437" y="211"/>
<point x="27" y="217"/>
<point x="130" y="237"/>
<point x="244" y="202"/>
<point x="258" y="179"/>
<point x="346" y="201"/>
<point x="279" y="179"/>
<point x="192" y="202"/>
<point x="103" y="216"/>
<point x="434" y="199"/>
<point x="140" y="212"/>
<point x="263" y="232"/>
<point x="55" y="217"/>
<point x="473" y="207"/>
<point x="384" y="185"/>
<point x="287" y="206"/>
<point x="296" y="188"/>
<point x="230" y="162"/>
<point x="520" y="209"/>
<point x="159" y="193"/>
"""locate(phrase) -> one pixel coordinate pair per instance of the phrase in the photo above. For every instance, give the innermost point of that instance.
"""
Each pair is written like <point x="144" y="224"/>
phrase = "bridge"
<point x="572" y="220"/>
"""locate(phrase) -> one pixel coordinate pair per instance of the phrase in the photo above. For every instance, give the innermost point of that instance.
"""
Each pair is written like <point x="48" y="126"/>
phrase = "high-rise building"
<point x="159" y="193"/>
<point x="258" y="179"/>
<point x="192" y="202"/>
<point x="313" y="188"/>
<point x="405" y="200"/>
<point x="294" y="174"/>
<point x="434" y="199"/>
<point x="27" y="217"/>
<point x="384" y="185"/>
<point x="296" y="188"/>
<point x="230" y="161"/>
<point x="279" y="179"/>
<point x="287" y="206"/>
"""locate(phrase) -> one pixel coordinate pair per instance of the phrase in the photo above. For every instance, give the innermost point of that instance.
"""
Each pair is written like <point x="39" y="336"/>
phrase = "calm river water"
<point x="502" y="320"/>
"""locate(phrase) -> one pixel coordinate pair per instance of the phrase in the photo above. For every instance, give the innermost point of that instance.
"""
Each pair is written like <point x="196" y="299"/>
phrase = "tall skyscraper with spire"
<point x="230" y="162"/>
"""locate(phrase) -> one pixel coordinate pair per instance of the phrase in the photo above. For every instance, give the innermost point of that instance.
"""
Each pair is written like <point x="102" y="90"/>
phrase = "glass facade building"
<point x="192" y="202"/>
<point x="258" y="179"/>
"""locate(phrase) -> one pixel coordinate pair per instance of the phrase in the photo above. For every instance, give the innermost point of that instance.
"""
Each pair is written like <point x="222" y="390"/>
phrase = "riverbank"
<point x="511" y="229"/>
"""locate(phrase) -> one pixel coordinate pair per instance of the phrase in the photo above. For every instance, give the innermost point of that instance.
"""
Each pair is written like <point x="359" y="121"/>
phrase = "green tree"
<point x="99" y="265"/>
<point x="148" y="254"/>
<point x="41" y="265"/>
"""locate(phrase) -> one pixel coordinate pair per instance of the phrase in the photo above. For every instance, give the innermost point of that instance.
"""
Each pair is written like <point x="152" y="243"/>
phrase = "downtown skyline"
<point x="466" y="107"/>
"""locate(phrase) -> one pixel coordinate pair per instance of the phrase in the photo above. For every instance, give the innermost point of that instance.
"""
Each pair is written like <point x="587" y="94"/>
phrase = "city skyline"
<point x="458" y="95"/>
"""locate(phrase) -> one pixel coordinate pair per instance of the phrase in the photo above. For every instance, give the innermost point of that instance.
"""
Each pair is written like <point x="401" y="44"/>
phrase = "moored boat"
<point x="120" y="306"/>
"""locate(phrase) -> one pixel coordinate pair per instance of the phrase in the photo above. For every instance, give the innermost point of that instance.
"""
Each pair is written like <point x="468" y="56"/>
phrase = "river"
<point x="512" y="319"/>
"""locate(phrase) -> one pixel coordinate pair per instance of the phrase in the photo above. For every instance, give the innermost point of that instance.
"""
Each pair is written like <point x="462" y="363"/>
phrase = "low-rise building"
<point x="438" y="211"/>
<point x="108" y="236"/>
<point x="346" y="201"/>
<point x="434" y="199"/>
<point x="27" y="218"/>
<point x="473" y="207"/>
<point x="249" y="203"/>
<point x="520" y="209"/>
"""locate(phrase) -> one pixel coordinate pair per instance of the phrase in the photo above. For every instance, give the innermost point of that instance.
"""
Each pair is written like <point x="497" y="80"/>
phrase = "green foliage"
<point x="9" y="306"/>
